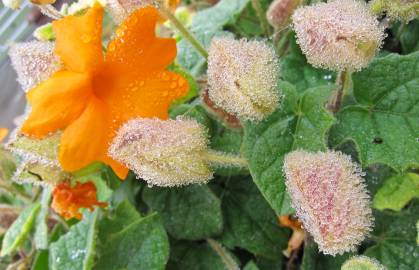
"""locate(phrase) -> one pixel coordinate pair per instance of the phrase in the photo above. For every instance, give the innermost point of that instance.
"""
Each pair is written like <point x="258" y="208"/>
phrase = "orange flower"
<point x="94" y="94"/>
<point x="3" y="133"/>
<point x="67" y="200"/>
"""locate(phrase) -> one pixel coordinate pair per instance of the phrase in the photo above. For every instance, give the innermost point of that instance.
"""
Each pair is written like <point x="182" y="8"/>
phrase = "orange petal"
<point x="86" y="139"/>
<point x="136" y="48"/>
<point x="3" y="133"/>
<point x="147" y="95"/>
<point x="78" y="40"/>
<point x="56" y="103"/>
<point x="120" y="170"/>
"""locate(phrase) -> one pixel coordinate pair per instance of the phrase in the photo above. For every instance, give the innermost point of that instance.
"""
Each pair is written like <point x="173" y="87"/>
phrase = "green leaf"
<point x="397" y="191"/>
<point x="205" y="25"/>
<point x="141" y="245"/>
<point x="296" y="70"/>
<point x="193" y="111"/>
<point x="193" y="85"/>
<point x="19" y="230"/>
<point x="385" y="122"/>
<point x="76" y="249"/>
<point x="251" y="266"/>
<point x="41" y="261"/>
<point x="395" y="238"/>
<point x="190" y="213"/>
<point x="41" y="229"/>
<point x="195" y="256"/>
<point x="296" y="124"/>
<point x="409" y="35"/>
<point x="314" y="260"/>
<point x="7" y="165"/>
<point x="250" y="222"/>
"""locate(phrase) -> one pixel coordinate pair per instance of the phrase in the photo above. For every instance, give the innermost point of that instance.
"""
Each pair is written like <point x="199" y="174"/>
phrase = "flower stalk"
<point x="262" y="18"/>
<point x="228" y="261"/>
<point x="343" y="82"/>
<point x="224" y="160"/>
<point x="182" y="29"/>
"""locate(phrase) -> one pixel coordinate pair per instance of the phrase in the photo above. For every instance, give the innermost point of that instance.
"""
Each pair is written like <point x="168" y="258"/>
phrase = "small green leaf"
<point x="314" y="260"/>
<point x="395" y="238"/>
<point x="76" y="249"/>
<point x="196" y="112"/>
<point x="250" y="222"/>
<point x="141" y="245"/>
<point x="19" y="230"/>
<point x="251" y="266"/>
<point x="296" y="124"/>
<point x="7" y="164"/>
<point x="41" y="261"/>
<point x="385" y="122"/>
<point x="205" y="25"/>
<point x="193" y="85"/>
<point x="397" y="191"/>
<point x="41" y="229"/>
<point x="190" y="213"/>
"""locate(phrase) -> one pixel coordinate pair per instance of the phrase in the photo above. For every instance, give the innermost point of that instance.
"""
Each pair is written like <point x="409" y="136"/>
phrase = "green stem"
<point x="262" y="17"/>
<point x="224" y="159"/>
<point x="228" y="261"/>
<point x="15" y="191"/>
<point x="182" y="29"/>
<point x="343" y="83"/>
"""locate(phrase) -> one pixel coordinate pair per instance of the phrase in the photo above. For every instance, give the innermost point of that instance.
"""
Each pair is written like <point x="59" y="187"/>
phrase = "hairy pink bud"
<point x="280" y="11"/>
<point x="330" y="198"/>
<point x="338" y="35"/>
<point x="163" y="153"/>
<point x="242" y="77"/>
<point x="34" y="62"/>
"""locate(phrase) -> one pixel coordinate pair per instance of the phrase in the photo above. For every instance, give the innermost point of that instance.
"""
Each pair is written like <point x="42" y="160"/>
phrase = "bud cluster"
<point x="338" y="35"/>
<point x="330" y="199"/>
<point x="280" y="11"/>
<point x="242" y="77"/>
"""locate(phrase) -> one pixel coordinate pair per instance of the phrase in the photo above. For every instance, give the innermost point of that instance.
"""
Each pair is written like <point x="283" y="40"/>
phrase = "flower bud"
<point x="242" y="77"/>
<point x="330" y="198"/>
<point x="280" y="11"/>
<point x="404" y="10"/>
<point x="44" y="32"/>
<point x="362" y="262"/>
<point x="338" y="35"/>
<point x="163" y="153"/>
<point x="42" y="2"/>
<point x="34" y="62"/>
<point x="12" y="4"/>
<point x="121" y="9"/>
<point x="67" y="200"/>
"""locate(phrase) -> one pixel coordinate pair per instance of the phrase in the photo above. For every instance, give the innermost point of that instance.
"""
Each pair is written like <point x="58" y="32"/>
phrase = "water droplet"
<point x="165" y="93"/>
<point x="86" y="38"/>
<point x="141" y="83"/>
<point x="173" y="85"/>
<point x="111" y="47"/>
<point x="181" y="82"/>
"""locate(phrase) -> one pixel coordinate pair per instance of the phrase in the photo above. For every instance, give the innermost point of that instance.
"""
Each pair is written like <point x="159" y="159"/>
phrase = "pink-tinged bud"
<point x="34" y="62"/>
<point x="242" y="77"/>
<point x="338" y="35"/>
<point x="330" y="198"/>
<point x="163" y="153"/>
<point x="362" y="263"/>
<point x="280" y="11"/>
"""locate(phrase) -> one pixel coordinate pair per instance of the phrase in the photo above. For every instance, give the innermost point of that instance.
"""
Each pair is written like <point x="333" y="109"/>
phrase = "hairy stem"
<point x="262" y="17"/>
<point x="225" y="160"/>
<point x="228" y="261"/>
<point x="343" y="82"/>
<point x="182" y="29"/>
<point x="50" y="11"/>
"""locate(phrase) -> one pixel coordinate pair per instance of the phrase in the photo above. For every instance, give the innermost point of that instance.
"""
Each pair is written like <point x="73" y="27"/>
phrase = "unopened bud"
<point x="280" y="11"/>
<point x="338" y="35"/>
<point x="121" y="9"/>
<point x="12" y="4"/>
<point x="362" y="262"/>
<point x="42" y="2"/>
<point x="330" y="198"/>
<point x="404" y="10"/>
<point x="34" y="62"/>
<point x="163" y="153"/>
<point x="242" y="77"/>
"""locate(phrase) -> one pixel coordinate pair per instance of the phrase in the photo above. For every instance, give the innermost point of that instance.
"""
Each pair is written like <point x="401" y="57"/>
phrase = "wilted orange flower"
<point x="67" y="200"/>
<point x="95" y="94"/>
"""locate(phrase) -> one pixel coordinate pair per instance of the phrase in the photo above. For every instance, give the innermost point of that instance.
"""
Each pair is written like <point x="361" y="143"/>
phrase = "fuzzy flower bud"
<point x="404" y="10"/>
<point x="338" y="35"/>
<point x="362" y="262"/>
<point x="280" y="11"/>
<point x="34" y="62"/>
<point x="121" y="9"/>
<point x="67" y="201"/>
<point x="242" y="77"/>
<point x="330" y="198"/>
<point x="163" y="153"/>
